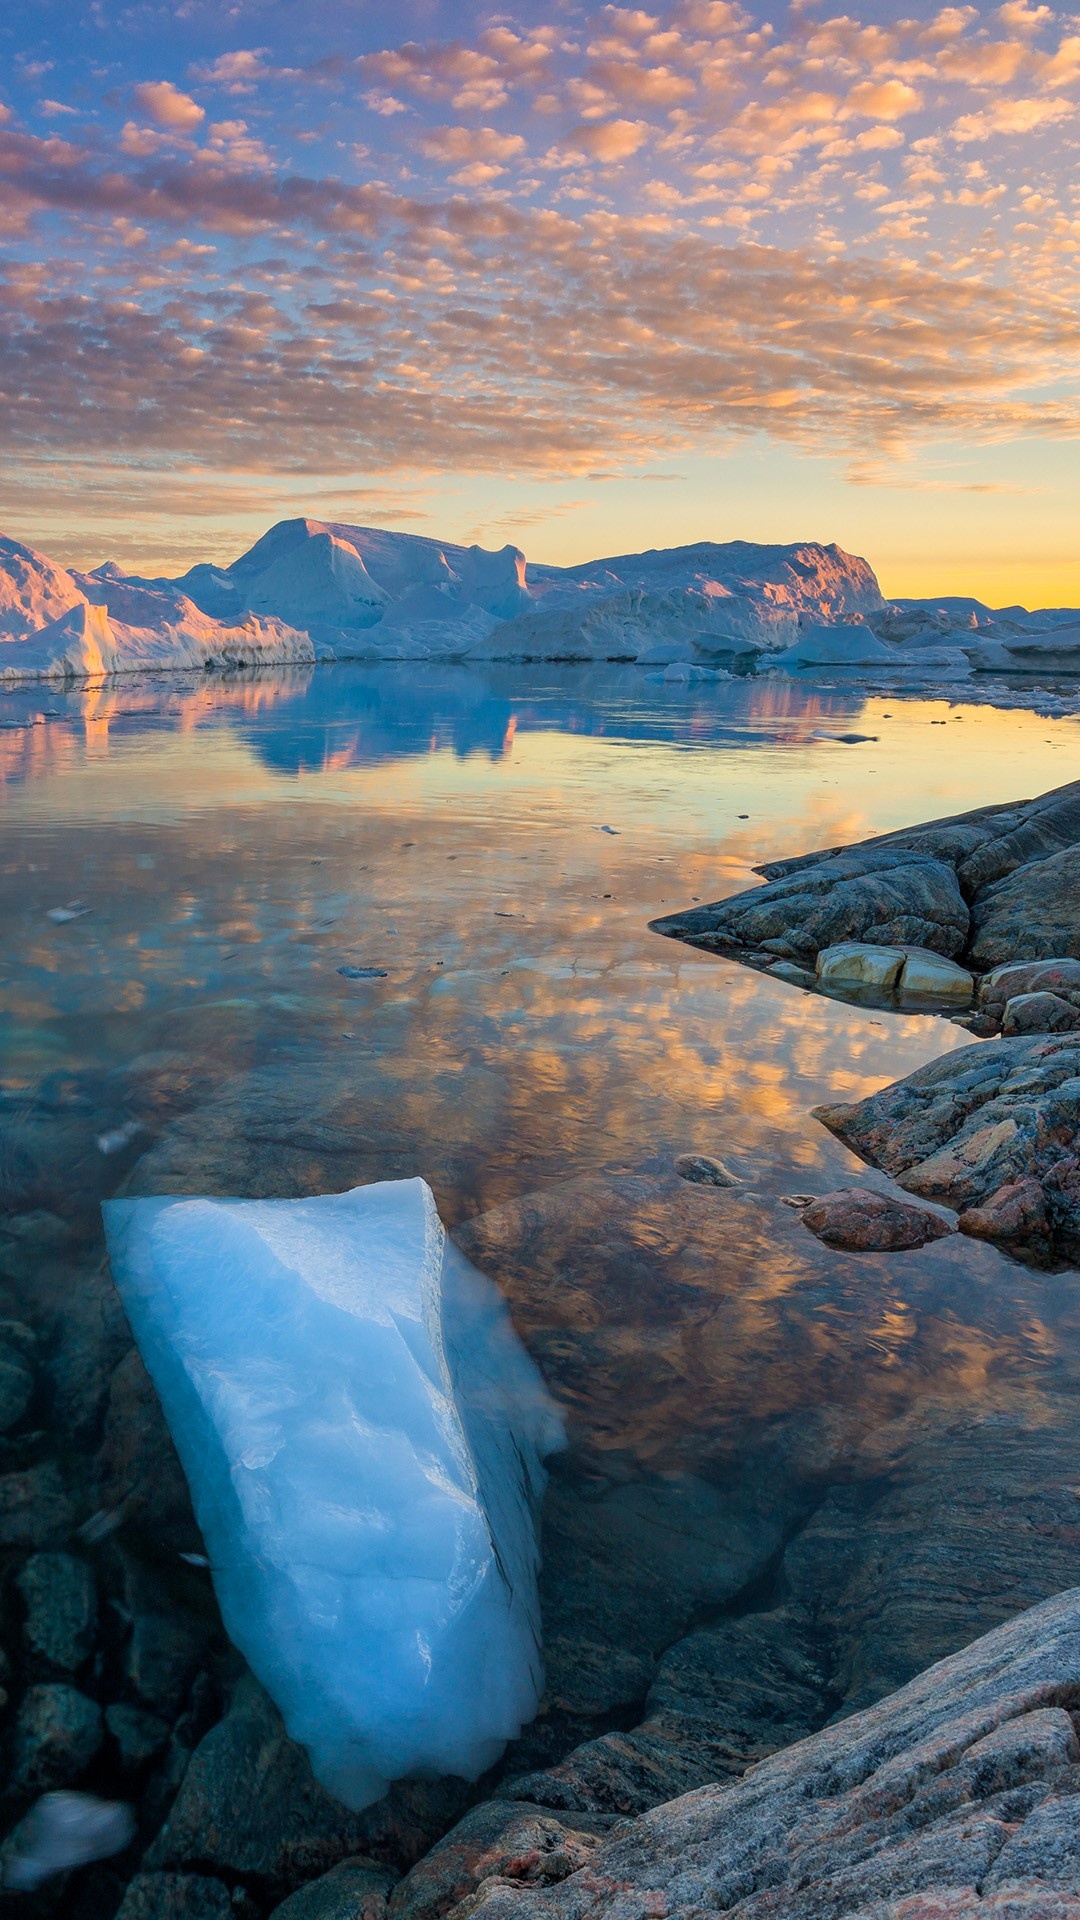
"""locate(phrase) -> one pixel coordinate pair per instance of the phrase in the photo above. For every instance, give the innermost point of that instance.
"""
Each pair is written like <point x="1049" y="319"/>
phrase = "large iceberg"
<point x="363" y="1436"/>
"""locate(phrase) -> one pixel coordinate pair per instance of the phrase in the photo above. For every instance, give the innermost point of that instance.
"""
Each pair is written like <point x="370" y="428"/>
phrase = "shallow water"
<point x="496" y="841"/>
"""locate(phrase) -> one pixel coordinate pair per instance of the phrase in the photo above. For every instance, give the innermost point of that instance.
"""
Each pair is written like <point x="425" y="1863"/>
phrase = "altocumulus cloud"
<point x="541" y="244"/>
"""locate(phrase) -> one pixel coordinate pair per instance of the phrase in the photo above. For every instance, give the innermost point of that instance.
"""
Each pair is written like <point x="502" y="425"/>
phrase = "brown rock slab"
<point x="863" y="1221"/>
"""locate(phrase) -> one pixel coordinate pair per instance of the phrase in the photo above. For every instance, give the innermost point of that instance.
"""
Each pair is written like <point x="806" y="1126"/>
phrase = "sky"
<point x="584" y="278"/>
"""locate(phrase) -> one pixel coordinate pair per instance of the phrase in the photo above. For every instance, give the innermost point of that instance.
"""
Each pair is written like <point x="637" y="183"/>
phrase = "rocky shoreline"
<point x="978" y="916"/>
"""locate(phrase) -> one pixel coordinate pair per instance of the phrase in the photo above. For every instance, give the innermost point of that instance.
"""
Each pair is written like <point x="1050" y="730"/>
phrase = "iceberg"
<point x="363" y="1435"/>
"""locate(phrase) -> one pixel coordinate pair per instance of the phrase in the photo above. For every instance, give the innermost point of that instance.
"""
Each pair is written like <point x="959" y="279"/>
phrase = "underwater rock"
<point x="862" y="1221"/>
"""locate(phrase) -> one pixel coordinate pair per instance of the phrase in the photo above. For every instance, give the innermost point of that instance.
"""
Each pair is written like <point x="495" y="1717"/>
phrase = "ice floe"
<point x="363" y="1436"/>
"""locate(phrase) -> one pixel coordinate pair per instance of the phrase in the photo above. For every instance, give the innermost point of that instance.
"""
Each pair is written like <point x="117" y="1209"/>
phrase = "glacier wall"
<point x="363" y="1435"/>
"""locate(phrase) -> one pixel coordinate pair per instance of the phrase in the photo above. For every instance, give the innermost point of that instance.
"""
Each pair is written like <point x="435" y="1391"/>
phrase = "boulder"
<point x="1039" y="1013"/>
<point x="871" y="895"/>
<point x="505" y="1837"/>
<point x="958" y="1795"/>
<point x="928" y="976"/>
<point x="863" y="1221"/>
<point x="1031" y="914"/>
<point x="974" y="1121"/>
<point x="1059" y="975"/>
<point x="1019" y="1212"/>
<point x="854" y="964"/>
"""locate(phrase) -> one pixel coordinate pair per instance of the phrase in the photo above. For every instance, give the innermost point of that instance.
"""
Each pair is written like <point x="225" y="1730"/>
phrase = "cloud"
<point x="1011" y="116"/>
<point x="166" y="106"/>
<point x="456" y="145"/>
<point x="607" y="140"/>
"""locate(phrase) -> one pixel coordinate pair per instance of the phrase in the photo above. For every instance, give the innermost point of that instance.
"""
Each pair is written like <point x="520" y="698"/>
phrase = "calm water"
<point x="496" y="841"/>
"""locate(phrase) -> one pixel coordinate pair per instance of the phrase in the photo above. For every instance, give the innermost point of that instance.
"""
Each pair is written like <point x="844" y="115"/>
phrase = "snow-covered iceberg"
<point x="363" y="1436"/>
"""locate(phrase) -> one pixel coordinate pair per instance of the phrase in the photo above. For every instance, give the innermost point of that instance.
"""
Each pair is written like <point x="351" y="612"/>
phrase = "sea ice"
<point x="363" y="1435"/>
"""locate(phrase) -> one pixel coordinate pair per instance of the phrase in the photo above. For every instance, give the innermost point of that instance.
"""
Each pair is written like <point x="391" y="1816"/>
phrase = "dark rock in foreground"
<point x="862" y="1221"/>
<point x="996" y="885"/>
<point x="958" y="1796"/>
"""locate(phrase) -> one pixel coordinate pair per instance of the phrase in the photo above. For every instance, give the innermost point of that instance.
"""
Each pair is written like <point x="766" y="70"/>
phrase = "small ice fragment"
<point x="64" y="1830"/>
<point x="195" y="1559"/>
<point x="73" y="911"/>
<point x="363" y="1435"/>
<point x="118" y="1138"/>
<point x="99" y="1526"/>
<point x="608" y="829"/>
<point x="363" y="973"/>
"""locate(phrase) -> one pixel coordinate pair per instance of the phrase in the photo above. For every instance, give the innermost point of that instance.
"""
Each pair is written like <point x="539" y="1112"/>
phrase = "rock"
<point x="139" y="1735"/>
<point x="870" y="895"/>
<point x="1039" y="1013"/>
<point x="176" y="1896"/>
<point x="928" y="976"/>
<point x="1018" y="1212"/>
<point x="863" y="1221"/>
<point x="162" y="1656"/>
<point x="516" y="1841"/>
<point x="990" y="887"/>
<point x="913" y="1801"/>
<point x="1060" y="976"/>
<point x="853" y="964"/>
<point x="57" y="1733"/>
<point x="722" y="1698"/>
<point x="35" y="1509"/>
<point x="355" y="1890"/>
<point x="795" y="976"/>
<point x="703" y="1171"/>
<point x="16" y="1383"/>
<point x="1031" y="914"/>
<point x="290" y="1830"/>
<point x="974" y="1122"/>
<point x="138" y="1473"/>
<point x="61" y="1609"/>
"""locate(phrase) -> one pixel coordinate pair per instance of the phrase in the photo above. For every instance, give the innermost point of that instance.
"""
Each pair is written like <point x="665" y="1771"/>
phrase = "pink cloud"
<point x="166" y="106"/>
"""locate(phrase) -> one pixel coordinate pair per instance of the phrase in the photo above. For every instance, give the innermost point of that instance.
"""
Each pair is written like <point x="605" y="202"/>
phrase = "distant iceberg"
<point x="363" y="1435"/>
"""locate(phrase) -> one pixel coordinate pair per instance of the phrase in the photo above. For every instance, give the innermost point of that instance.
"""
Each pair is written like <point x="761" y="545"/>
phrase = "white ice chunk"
<point x="363" y="1434"/>
<point x="61" y="1831"/>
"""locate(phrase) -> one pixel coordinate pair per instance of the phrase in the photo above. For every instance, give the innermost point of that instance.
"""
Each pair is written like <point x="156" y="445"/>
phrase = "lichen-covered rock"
<point x="863" y="1221"/>
<point x="1019" y="1212"/>
<point x="916" y="1800"/>
<point x="506" y="1837"/>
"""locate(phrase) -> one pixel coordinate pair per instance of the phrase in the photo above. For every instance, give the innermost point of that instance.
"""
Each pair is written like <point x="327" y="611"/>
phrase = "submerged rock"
<point x="703" y="1171"/>
<point x="863" y="1221"/>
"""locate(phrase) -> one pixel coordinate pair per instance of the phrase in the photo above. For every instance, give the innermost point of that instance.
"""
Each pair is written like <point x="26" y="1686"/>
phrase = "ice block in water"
<point x="363" y="1435"/>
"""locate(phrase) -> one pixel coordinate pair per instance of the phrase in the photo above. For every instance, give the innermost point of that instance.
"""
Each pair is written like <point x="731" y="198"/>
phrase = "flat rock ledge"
<point x="957" y="1797"/>
<point x="983" y="890"/>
